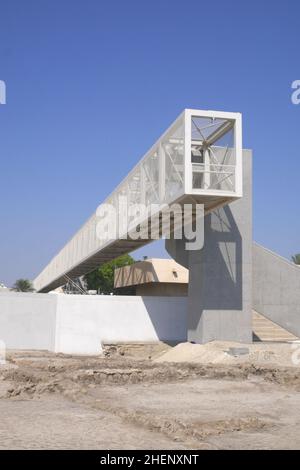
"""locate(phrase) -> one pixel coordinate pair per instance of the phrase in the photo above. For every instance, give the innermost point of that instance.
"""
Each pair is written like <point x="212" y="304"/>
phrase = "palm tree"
<point x="296" y="258"/>
<point x="23" y="285"/>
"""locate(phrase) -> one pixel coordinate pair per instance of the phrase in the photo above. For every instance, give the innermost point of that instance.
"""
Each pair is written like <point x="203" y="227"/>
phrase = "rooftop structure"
<point x="161" y="277"/>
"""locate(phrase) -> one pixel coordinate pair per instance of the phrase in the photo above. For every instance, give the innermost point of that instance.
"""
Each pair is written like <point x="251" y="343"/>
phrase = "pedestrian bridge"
<point x="197" y="160"/>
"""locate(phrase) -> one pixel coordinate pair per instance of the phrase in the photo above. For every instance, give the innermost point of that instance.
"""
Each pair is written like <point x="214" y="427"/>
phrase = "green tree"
<point x="296" y="258"/>
<point x="102" y="278"/>
<point x="23" y="285"/>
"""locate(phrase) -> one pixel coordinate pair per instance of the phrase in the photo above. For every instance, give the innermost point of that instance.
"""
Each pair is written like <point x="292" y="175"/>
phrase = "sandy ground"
<point x="218" y="352"/>
<point x="117" y="401"/>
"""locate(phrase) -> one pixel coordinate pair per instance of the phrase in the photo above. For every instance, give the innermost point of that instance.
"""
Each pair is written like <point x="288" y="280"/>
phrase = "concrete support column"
<point x="220" y="275"/>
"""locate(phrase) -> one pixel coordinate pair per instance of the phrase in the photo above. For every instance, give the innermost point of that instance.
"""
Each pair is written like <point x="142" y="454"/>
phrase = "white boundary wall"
<point x="78" y="324"/>
<point x="27" y="321"/>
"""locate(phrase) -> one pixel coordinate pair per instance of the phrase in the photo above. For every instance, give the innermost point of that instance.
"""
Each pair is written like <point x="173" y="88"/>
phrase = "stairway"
<point x="266" y="330"/>
<point x="276" y="289"/>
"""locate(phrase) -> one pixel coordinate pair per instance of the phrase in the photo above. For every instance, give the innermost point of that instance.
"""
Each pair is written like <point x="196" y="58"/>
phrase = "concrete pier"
<point x="220" y="274"/>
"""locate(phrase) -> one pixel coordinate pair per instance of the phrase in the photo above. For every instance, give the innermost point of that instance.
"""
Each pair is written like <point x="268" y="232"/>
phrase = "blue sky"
<point x="92" y="83"/>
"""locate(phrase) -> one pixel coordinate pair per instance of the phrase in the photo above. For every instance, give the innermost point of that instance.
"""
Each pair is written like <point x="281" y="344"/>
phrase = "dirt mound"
<point x="218" y="352"/>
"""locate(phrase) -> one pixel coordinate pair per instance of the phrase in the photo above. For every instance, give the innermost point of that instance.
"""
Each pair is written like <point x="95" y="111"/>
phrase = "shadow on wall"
<point x="168" y="316"/>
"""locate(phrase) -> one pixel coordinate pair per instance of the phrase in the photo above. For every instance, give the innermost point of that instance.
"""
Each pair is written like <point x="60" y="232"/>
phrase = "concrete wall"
<point x="27" y="321"/>
<point x="90" y="320"/>
<point x="276" y="289"/>
<point x="78" y="324"/>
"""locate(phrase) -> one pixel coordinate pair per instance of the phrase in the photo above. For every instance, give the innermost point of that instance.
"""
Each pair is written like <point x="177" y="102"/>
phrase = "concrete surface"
<point x="220" y="275"/>
<point x="276" y="289"/>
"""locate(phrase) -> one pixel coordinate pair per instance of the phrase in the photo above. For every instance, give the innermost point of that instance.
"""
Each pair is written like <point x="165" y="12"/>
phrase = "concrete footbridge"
<point x="198" y="160"/>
